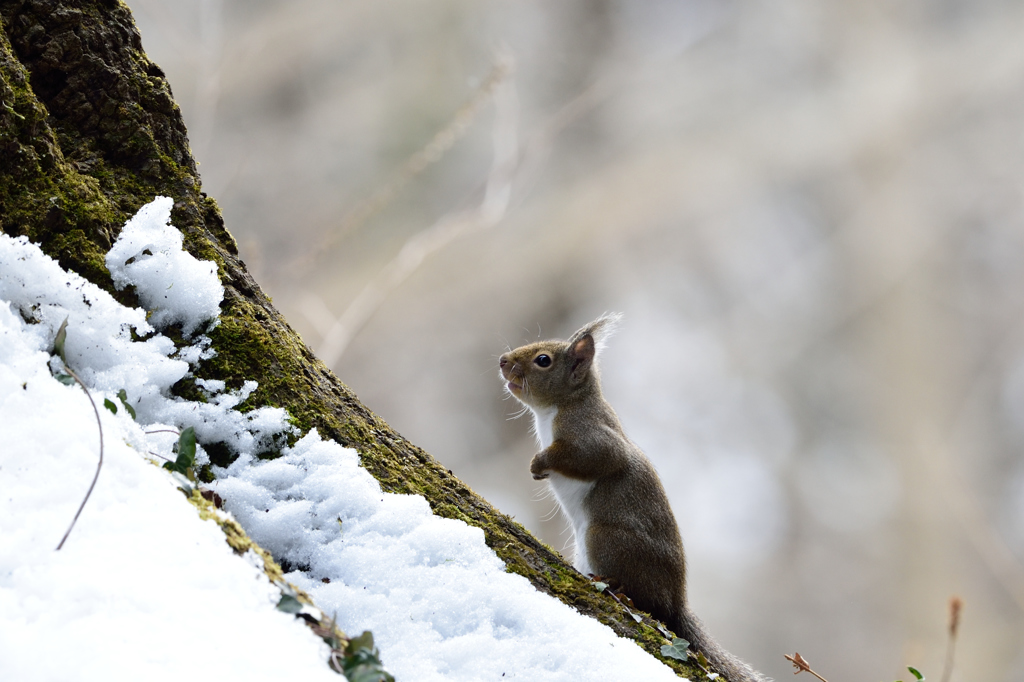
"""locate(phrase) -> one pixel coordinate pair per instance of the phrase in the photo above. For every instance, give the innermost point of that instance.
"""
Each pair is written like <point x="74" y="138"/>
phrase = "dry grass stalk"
<point x="956" y="605"/>
<point x="802" y="666"/>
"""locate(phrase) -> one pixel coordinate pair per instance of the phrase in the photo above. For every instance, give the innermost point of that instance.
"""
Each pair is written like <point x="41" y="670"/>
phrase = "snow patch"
<point x="171" y="283"/>
<point x="142" y="586"/>
<point x="438" y="600"/>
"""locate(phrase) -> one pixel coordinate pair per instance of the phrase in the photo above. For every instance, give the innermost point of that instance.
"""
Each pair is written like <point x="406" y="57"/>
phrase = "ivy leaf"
<point x="916" y="673"/>
<point x="61" y="339"/>
<point x="107" y="403"/>
<point x="122" y="395"/>
<point x="677" y="649"/>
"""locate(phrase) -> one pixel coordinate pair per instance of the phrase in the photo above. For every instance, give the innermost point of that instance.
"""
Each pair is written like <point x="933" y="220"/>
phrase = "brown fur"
<point x="632" y="539"/>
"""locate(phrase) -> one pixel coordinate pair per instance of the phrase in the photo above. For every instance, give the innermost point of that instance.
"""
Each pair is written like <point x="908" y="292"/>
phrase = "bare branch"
<point x="414" y="165"/>
<point x="419" y="247"/>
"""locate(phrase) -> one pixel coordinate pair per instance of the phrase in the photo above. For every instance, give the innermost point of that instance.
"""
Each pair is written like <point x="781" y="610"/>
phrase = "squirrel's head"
<point x="546" y="373"/>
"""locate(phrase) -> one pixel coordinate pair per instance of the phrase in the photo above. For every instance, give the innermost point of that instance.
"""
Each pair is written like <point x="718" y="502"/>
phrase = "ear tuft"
<point x="600" y="330"/>
<point x="581" y="354"/>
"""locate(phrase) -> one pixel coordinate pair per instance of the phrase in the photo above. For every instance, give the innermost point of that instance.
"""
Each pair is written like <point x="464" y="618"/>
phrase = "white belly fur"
<point x="569" y="492"/>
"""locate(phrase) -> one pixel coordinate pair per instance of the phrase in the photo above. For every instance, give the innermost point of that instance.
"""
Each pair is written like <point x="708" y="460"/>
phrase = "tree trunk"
<point x="89" y="133"/>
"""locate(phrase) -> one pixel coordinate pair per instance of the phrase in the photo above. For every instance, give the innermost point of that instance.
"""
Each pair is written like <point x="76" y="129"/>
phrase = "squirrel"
<point x="623" y="527"/>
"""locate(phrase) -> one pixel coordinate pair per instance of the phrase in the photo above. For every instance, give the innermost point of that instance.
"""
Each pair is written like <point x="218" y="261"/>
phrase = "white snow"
<point x="145" y="589"/>
<point x="142" y="589"/>
<point x="437" y="599"/>
<point x="148" y="254"/>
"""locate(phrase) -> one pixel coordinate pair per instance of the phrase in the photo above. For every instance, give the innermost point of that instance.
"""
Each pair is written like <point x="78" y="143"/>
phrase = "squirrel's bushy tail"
<point x="689" y="627"/>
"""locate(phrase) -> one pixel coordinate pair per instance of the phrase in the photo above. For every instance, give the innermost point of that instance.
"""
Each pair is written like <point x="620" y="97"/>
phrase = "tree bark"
<point x="89" y="133"/>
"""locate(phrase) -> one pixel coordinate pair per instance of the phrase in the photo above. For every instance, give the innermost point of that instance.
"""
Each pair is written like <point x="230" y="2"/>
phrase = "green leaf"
<point x="123" y="397"/>
<point x="916" y="673"/>
<point x="107" y="403"/>
<point x="362" y="661"/>
<point x="363" y="641"/>
<point x="371" y="671"/>
<point x="186" y="458"/>
<point x="289" y="604"/>
<point x="187" y="448"/>
<point x="599" y="586"/>
<point x="65" y="379"/>
<point x="61" y="339"/>
<point x="677" y="649"/>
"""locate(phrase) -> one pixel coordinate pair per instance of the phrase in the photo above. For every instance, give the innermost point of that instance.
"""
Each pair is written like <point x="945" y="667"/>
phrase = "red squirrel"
<point x="623" y="527"/>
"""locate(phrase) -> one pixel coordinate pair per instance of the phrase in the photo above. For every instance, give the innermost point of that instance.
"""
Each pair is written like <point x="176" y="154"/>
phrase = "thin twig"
<point x="99" y="466"/>
<point x="414" y="165"/>
<point x="419" y="247"/>
<point x="511" y="166"/>
<point x="802" y="666"/>
<point x="955" y="606"/>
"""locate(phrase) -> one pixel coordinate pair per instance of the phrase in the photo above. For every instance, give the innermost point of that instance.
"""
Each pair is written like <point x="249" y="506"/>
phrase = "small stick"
<point x="802" y="665"/>
<point x="176" y="432"/>
<point x="99" y="466"/>
<point x="58" y="345"/>
<point x="955" y="606"/>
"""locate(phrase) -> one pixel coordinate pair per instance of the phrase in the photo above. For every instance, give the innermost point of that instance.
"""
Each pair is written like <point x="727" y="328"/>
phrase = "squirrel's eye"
<point x="542" y="360"/>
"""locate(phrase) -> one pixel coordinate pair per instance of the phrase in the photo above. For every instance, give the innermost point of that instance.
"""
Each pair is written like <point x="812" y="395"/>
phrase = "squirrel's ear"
<point x="600" y="330"/>
<point x="581" y="357"/>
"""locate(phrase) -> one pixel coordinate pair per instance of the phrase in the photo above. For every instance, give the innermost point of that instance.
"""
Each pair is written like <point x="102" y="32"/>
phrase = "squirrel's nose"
<point x="502" y="361"/>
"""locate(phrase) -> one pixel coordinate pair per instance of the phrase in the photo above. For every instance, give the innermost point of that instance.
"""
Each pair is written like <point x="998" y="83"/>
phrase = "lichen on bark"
<point x="90" y="132"/>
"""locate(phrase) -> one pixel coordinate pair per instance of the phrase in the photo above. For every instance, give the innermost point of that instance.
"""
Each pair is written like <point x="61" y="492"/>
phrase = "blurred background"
<point x="811" y="215"/>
